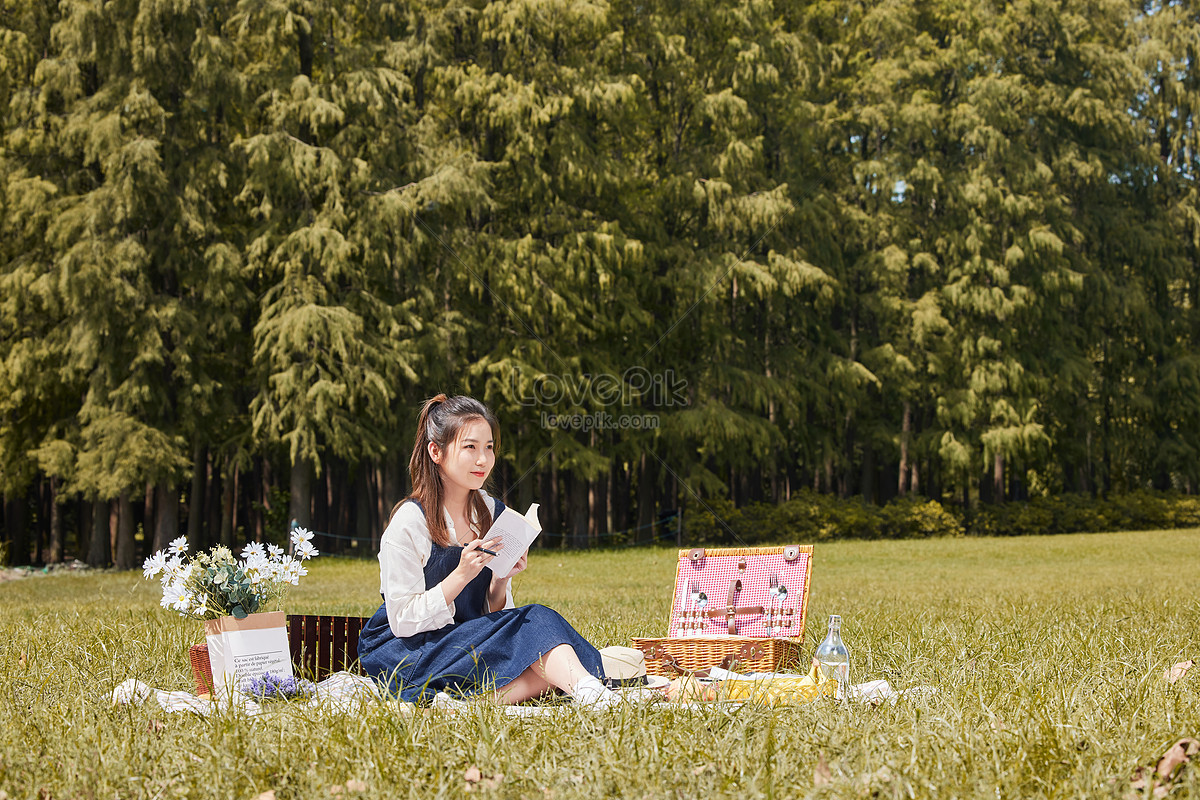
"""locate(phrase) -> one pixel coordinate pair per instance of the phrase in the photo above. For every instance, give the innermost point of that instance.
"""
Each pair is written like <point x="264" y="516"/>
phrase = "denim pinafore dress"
<point x="478" y="653"/>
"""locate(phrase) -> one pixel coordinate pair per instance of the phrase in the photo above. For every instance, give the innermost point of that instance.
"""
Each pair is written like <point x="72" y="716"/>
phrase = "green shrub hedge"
<point x="812" y="517"/>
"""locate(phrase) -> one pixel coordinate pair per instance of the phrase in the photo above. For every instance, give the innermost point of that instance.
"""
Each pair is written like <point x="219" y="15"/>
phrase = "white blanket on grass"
<point x="341" y="692"/>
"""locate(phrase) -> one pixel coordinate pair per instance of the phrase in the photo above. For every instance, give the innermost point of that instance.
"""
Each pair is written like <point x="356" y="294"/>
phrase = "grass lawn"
<point x="1047" y="652"/>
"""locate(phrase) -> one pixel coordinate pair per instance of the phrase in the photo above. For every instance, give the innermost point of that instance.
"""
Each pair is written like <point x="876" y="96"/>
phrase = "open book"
<point x="518" y="532"/>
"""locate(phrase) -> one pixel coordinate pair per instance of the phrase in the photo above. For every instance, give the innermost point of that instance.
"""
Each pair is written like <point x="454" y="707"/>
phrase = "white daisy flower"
<point x="154" y="565"/>
<point x="184" y="602"/>
<point x="274" y="551"/>
<point x="305" y="550"/>
<point x="172" y="570"/>
<point x="253" y="549"/>
<point x="178" y="546"/>
<point x="173" y="593"/>
<point x="301" y="535"/>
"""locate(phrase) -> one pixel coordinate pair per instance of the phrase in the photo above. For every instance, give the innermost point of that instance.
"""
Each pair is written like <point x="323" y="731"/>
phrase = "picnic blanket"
<point x="344" y="692"/>
<point x="340" y="692"/>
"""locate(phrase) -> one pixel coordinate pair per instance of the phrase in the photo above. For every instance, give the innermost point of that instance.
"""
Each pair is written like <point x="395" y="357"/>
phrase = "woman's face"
<point x="468" y="460"/>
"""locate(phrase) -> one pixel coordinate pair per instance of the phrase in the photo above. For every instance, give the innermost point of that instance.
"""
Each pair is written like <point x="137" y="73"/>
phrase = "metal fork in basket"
<point x="771" y="607"/>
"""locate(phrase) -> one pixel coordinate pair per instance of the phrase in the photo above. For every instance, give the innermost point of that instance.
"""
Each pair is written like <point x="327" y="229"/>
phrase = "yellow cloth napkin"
<point x="780" y="691"/>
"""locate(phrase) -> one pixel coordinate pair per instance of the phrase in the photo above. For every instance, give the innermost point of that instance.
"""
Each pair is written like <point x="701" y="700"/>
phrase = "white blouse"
<point x="403" y="553"/>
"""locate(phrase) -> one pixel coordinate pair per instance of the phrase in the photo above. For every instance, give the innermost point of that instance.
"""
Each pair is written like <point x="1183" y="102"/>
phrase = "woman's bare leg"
<point x="558" y="669"/>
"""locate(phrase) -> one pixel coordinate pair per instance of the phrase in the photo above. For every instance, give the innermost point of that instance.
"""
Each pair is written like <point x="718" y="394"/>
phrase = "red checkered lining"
<point x="713" y="575"/>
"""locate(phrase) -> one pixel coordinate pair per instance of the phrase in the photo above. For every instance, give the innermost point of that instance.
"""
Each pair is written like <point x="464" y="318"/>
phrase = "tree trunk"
<point x="257" y="502"/>
<point x="902" y="486"/>
<point x="599" y="505"/>
<point x="340" y="504"/>
<point x="393" y="483"/>
<point x="524" y="492"/>
<point x="229" y="509"/>
<point x="362" y="503"/>
<point x="114" y="523"/>
<point x="166" y="515"/>
<point x="195" y="534"/>
<point x="15" y="525"/>
<point x="41" y="522"/>
<point x="148" y="528"/>
<point x="381" y="502"/>
<point x="126" y="559"/>
<point x="98" y="542"/>
<point x="214" y="495"/>
<point x="647" y="479"/>
<point x="300" y="501"/>
<point x="83" y="529"/>
<point x="867" y="481"/>
<point x="54" y="551"/>
<point x="320" y="505"/>
<point x="578" y="512"/>
<point x="845" y="489"/>
<point x="550" y="517"/>
<point x="620" y="497"/>
<point x="679" y="523"/>
<point x="998" y="479"/>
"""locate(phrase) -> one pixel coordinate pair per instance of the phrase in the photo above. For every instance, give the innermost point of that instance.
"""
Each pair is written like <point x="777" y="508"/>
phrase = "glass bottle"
<point x="833" y="659"/>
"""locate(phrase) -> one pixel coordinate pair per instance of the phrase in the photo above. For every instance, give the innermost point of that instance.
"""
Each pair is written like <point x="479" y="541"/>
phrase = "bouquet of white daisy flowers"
<point x="216" y="584"/>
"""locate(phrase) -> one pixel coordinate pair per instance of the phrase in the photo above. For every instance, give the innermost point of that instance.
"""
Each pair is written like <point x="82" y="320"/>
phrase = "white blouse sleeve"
<point x="403" y="553"/>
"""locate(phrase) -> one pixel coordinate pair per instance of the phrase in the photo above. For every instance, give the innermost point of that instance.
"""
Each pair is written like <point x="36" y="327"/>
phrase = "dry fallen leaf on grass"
<point x="1176" y="756"/>
<point x="1166" y="770"/>
<point x="472" y="775"/>
<point x="1178" y="671"/>
<point x="355" y="785"/>
<point x="269" y="794"/>
<point x="821" y="774"/>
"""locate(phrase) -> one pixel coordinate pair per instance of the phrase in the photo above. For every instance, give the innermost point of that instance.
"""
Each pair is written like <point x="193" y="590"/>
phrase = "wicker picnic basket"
<point x="756" y="618"/>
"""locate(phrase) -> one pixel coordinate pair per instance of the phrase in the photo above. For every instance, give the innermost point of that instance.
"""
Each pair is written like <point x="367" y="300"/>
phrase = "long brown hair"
<point x="440" y="421"/>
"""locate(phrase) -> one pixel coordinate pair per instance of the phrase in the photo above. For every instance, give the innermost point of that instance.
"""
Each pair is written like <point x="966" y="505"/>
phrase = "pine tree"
<point x="321" y="143"/>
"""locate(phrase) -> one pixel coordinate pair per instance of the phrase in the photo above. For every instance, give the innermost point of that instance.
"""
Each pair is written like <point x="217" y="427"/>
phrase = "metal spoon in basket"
<point x="701" y="602"/>
<point x="781" y="593"/>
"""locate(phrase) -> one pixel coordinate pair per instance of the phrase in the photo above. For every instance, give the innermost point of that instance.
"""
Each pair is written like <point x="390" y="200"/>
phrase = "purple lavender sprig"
<point x="277" y="687"/>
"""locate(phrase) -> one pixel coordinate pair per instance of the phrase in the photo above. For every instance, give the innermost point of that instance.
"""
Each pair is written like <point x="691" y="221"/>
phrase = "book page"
<point x="518" y="532"/>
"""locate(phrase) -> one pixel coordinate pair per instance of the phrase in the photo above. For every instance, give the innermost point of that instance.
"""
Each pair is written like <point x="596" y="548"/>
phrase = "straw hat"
<point x="625" y="668"/>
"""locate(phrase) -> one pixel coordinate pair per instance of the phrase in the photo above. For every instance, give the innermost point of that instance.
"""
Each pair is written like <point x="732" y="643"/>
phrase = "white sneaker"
<point x="447" y="703"/>
<point x="592" y="693"/>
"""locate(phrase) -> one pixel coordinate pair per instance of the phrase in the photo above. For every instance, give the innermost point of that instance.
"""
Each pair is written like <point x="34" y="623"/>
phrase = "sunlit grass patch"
<point x="1047" y="653"/>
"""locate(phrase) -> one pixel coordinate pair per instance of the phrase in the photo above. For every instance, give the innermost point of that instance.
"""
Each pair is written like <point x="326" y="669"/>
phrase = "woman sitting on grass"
<point x="448" y="623"/>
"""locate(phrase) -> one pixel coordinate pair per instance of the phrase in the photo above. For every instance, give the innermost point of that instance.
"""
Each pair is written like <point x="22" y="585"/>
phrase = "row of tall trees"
<point x="868" y="248"/>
